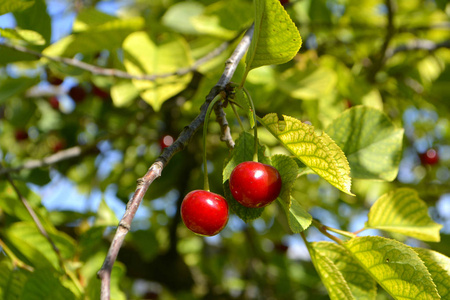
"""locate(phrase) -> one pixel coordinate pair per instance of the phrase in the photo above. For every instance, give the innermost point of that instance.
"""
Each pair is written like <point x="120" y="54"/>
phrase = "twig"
<point x="49" y="160"/>
<point x="419" y="44"/>
<point x="96" y="70"/>
<point x="224" y="127"/>
<point x="390" y="32"/>
<point x="156" y="168"/>
<point x="37" y="222"/>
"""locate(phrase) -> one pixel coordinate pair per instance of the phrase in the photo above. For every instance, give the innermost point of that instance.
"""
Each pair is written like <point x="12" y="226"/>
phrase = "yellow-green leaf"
<point x="402" y="211"/>
<point x="371" y="142"/>
<point x="331" y="276"/>
<point x="310" y="84"/>
<point x="123" y="93"/>
<point x="29" y="36"/>
<point x="144" y="55"/>
<point x="362" y="286"/>
<point x="276" y="39"/>
<point x="395" y="266"/>
<point x="223" y="19"/>
<point x="439" y="267"/>
<point x="7" y="6"/>
<point x="319" y="152"/>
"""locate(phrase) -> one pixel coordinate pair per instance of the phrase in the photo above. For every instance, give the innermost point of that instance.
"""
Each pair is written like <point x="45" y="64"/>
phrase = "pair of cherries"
<point x="252" y="184"/>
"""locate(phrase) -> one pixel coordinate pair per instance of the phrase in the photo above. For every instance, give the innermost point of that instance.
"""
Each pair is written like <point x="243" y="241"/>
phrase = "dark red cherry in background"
<point x="204" y="213"/>
<point x="254" y="184"/>
<point x="99" y="92"/>
<point x="430" y="157"/>
<point x="54" y="103"/>
<point x="21" y="134"/>
<point x="53" y="79"/>
<point x="284" y="2"/>
<point x="77" y="93"/>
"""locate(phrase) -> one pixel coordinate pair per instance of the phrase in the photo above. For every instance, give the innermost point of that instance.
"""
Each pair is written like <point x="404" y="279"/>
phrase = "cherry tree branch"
<point x="96" y="70"/>
<point x="391" y="6"/>
<point x="60" y="156"/>
<point x="419" y="44"/>
<point x="157" y="167"/>
<point x="224" y="127"/>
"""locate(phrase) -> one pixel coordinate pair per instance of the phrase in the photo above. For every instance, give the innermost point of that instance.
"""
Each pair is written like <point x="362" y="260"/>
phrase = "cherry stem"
<point x="324" y="231"/>
<point x="255" y="127"/>
<point x="359" y="231"/>
<point x="335" y="230"/>
<point x="237" y="117"/>
<point x="205" y="132"/>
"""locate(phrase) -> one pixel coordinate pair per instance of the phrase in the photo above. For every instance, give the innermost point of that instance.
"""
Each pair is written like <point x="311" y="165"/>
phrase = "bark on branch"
<point x="156" y="168"/>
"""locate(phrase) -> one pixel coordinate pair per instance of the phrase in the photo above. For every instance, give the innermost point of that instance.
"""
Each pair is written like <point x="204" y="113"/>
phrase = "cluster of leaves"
<point x="352" y="84"/>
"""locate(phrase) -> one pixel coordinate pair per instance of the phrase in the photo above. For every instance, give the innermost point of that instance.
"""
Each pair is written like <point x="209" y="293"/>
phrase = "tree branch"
<point x="96" y="70"/>
<point x="224" y="127"/>
<point x="156" y="168"/>
<point x="419" y="44"/>
<point x="50" y="160"/>
<point x="390" y="32"/>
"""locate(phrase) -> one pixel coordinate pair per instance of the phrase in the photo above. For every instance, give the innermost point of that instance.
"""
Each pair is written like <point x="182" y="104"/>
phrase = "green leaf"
<point x="7" y="6"/>
<point x="370" y="141"/>
<point x="95" y="31"/>
<point x="319" y="152"/>
<point x="26" y="238"/>
<point x="179" y="16"/>
<point x="12" y="280"/>
<point x="105" y="215"/>
<point x="223" y="19"/>
<point x="243" y="151"/>
<point x="35" y="18"/>
<point x="276" y="39"/>
<point x="143" y="55"/>
<point x="362" y="286"/>
<point x="308" y="84"/>
<point x="44" y="284"/>
<point x="402" y="211"/>
<point x="11" y="87"/>
<point x="298" y="218"/>
<point x="29" y="36"/>
<point x="288" y="170"/>
<point x="439" y="267"/>
<point x="123" y="93"/>
<point x="331" y="276"/>
<point x="396" y="267"/>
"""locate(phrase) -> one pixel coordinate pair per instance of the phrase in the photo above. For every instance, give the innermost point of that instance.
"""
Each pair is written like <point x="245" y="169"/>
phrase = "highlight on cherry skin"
<point x="204" y="213"/>
<point x="254" y="184"/>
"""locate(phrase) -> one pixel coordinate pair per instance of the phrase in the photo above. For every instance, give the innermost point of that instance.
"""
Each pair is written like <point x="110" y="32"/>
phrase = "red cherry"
<point x="53" y="79"/>
<point x="53" y="100"/>
<point x="284" y="2"/>
<point x="77" y="93"/>
<point x="21" y="135"/>
<point x="254" y="184"/>
<point x="430" y="157"/>
<point x="204" y="213"/>
<point x="166" y="141"/>
<point x="99" y="92"/>
<point x="57" y="146"/>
